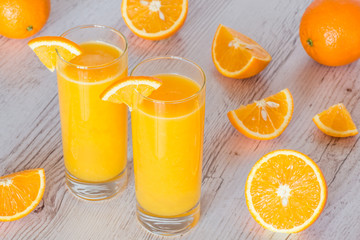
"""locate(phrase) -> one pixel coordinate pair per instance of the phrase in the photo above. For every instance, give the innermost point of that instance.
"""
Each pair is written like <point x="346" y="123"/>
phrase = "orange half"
<point x="236" y="55"/>
<point x="154" y="19"/>
<point x="285" y="191"/>
<point x="336" y="121"/>
<point x="20" y="193"/>
<point x="45" y="49"/>
<point x="264" y="119"/>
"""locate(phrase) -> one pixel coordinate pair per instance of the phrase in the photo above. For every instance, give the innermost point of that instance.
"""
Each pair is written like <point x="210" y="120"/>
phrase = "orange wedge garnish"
<point x="44" y="48"/>
<point x="285" y="191"/>
<point x="336" y="121"/>
<point x="20" y="193"/>
<point x="264" y="119"/>
<point x="154" y="19"/>
<point x="236" y="55"/>
<point x="126" y="90"/>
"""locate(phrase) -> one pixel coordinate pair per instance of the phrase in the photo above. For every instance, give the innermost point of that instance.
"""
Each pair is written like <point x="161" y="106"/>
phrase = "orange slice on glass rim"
<point x="336" y="121"/>
<point x="126" y="90"/>
<point x="154" y="19"/>
<point x="236" y="55"/>
<point x="44" y="48"/>
<point x="264" y="119"/>
<point x="285" y="191"/>
<point x="20" y="193"/>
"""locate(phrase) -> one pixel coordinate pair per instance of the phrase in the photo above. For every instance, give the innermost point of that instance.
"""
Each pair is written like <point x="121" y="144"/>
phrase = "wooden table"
<point x="30" y="135"/>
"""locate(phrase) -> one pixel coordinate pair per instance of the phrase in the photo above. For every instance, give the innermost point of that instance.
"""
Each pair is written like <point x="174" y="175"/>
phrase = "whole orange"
<point x="23" y="18"/>
<point x="330" y="31"/>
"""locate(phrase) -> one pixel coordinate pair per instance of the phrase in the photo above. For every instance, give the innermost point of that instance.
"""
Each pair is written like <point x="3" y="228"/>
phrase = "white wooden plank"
<point x="30" y="131"/>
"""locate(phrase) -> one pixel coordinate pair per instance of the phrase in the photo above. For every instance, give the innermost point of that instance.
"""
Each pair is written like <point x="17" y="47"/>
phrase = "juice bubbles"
<point x="167" y="134"/>
<point x="94" y="132"/>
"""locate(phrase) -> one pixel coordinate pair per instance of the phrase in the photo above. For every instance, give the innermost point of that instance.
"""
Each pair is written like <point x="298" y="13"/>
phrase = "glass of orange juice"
<point x="94" y="132"/>
<point x="167" y="134"/>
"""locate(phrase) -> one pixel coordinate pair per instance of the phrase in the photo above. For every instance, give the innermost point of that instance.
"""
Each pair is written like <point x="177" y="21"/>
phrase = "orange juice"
<point x="94" y="132"/>
<point x="167" y="145"/>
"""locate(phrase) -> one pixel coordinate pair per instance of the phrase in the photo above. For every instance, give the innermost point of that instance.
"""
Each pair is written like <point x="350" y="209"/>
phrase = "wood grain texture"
<point x="30" y="133"/>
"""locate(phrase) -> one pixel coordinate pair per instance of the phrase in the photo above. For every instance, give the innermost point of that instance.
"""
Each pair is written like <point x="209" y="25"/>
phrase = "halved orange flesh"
<point x="154" y="19"/>
<point x="285" y="191"/>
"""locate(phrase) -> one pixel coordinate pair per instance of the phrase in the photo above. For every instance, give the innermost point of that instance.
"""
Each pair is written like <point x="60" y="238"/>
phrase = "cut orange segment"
<point x="44" y="48"/>
<point x="336" y="121"/>
<point x="20" y="193"/>
<point x="264" y="119"/>
<point x="154" y="19"/>
<point x="126" y="90"/>
<point x="236" y="55"/>
<point x="285" y="191"/>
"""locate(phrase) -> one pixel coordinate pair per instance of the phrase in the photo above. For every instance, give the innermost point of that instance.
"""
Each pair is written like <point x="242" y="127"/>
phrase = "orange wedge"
<point x="20" y="193"/>
<point x="154" y="19"/>
<point x="44" y="48"/>
<point x="264" y="119"/>
<point x="336" y="121"/>
<point x="236" y="55"/>
<point x="285" y="191"/>
<point x="128" y="88"/>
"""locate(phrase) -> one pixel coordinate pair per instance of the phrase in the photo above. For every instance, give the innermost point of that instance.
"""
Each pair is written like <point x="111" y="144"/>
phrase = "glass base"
<point x="96" y="191"/>
<point x="168" y="226"/>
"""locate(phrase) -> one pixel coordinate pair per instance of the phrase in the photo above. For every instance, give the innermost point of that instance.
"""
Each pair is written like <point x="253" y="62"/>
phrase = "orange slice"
<point x="20" y="193"/>
<point x="154" y="19"/>
<point x="44" y="48"/>
<point x="264" y="119"/>
<point x="236" y="55"/>
<point x="336" y="121"/>
<point x="126" y="90"/>
<point x="285" y="191"/>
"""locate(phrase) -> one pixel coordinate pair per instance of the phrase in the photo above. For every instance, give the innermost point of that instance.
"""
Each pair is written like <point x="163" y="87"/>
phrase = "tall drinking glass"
<point x="167" y="132"/>
<point x="94" y="132"/>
